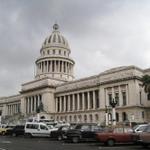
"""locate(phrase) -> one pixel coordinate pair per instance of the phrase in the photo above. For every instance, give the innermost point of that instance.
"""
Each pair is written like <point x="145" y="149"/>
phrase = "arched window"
<point x="70" y="118"/>
<point x="96" y="118"/>
<point x="79" y="118"/>
<point x="124" y="116"/>
<point x="117" y="117"/>
<point x="91" y="118"/>
<point x="85" y="118"/>
<point x="75" y="118"/>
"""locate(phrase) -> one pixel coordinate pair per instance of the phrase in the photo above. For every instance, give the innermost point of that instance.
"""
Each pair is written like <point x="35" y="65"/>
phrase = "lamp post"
<point x="113" y="104"/>
<point x="0" y="116"/>
<point x="106" y="115"/>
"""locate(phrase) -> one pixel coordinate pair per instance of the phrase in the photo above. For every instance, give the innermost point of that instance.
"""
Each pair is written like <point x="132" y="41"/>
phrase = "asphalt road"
<point x="21" y="143"/>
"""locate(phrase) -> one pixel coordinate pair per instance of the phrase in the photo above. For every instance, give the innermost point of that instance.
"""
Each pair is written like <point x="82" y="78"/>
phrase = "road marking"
<point x="2" y="149"/>
<point x="6" y="142"/>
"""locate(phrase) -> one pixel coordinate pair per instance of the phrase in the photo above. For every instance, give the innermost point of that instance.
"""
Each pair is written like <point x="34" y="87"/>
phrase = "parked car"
<point x="15" y="131"/>
<point x="37" y="129"/>
<point x="144" y="137"/>
<point x="82" y="132"/>
<point x="4" y="128"/>
<point x="116" y="135"/>
<point x="60" y="133"/>
<point x="139" y="128"/>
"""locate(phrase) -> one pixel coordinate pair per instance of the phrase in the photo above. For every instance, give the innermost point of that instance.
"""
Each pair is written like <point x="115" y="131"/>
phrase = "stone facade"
<point x="82" y="100"/>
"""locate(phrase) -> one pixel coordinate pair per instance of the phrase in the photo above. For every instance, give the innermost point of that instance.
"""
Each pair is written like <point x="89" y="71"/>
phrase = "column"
<point x="60" y="104"/>
<point x="127" y="96"/>
<point x="78" y="102"/>
<point x="106" y="100"/>
<point x="58" y="65"/>
<point x="68" y="102"/>
<point x="54" y="65"/>
<point x="35" y="107"/>
<point x="88" y="97"/>
<point x="31" y="103"/>
<point x="120" y="97"/>
<point x="94" y="100"/>
<point x="62" y="66"/>
<point x="113" y="92"/>
<point x="83" y="101"/>
<point x="26" y="104"/>
<point x="64" y="103"/>
<point x="46" y="66"/>
<point x="56" y="104"/>
<point x="73" y="102"/>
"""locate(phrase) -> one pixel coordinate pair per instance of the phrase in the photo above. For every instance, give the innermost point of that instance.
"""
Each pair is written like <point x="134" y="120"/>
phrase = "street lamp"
<point x="113" y="104"/>
<point x="106" y="115"/>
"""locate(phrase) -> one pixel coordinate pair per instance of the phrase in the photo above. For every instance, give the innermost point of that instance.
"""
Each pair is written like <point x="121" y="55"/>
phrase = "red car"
<point x="116" y="135"/>
<point x="144" y="137"/>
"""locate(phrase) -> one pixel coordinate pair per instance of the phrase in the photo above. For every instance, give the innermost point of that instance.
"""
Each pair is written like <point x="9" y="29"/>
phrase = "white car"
<point x="37" y="129"/>
<point x="139" y="128"/>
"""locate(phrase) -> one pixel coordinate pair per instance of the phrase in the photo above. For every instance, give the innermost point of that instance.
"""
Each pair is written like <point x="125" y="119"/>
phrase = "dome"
<point x="56" y="39"/>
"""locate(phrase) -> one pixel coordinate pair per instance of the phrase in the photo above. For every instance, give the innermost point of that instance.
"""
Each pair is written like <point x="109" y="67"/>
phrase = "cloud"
<point x="106" y="33"/>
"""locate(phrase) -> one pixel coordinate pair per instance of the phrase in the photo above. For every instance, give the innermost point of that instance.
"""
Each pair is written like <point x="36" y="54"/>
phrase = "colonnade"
<point x="87" y="100"/>
<point x="80" y="118"/>
<point x="54" y="66"/>
<point x="32" y="103"/>
<point x="119" y="93"/>
<point x="13" y="108"/>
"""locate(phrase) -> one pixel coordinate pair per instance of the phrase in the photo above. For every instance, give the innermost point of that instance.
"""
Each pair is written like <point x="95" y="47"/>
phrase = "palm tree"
<point x="146" y="83"/>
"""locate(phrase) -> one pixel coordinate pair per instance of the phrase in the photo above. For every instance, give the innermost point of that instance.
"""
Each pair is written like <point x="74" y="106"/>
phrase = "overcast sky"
<point x="101" y="33"/>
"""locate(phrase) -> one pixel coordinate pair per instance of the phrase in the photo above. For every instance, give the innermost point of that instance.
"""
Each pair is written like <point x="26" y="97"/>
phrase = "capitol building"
<point x="83" y="100"/>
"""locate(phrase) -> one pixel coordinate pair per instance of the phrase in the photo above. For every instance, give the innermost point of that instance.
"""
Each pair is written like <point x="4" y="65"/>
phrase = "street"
<point x="22" y="143"/>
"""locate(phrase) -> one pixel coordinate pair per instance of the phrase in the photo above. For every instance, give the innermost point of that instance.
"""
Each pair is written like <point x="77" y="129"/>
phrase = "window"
<point x="32" y="126"/>
<point x="85" y="128"/>
<point x="66" y="103"/>
<point x="95" y="128"/>
<point x="65" y="128"/>
<point x="91" y="99"/>
<point x="117" y="98"/>
<point x="143" y="114"/>
<point x="43" y="127"/>
<point x="75" y="101"/>
<point x="65" y="53"/>
<point x="110" y="98"/>
<point x="124" y="98"/>
<point x="148" y="96"/>
<point x="59" y="51"/>
<point x="80" y="99"/>
<point x="140" y="97"/>
<point x="97" y="98"/>
<point x="71" y="102"/>
<point x="53" y="51"/>
<point x="86" y="100"/>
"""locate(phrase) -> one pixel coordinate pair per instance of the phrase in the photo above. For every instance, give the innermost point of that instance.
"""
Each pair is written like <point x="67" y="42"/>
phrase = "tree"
<point x="146" y="83"/>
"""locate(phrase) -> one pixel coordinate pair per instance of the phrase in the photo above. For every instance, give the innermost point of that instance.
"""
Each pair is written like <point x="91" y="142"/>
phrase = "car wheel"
<point x="3" y="133"/>
<point x="28" y="135"/>
<point x="110" y="142"/>
<point x="59" y="138"/>
<point x="75" y="139"/>
<point x="145" y="145"/>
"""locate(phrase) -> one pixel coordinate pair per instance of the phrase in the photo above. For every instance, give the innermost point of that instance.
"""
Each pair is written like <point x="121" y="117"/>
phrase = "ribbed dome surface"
<point x="56" y="39"/>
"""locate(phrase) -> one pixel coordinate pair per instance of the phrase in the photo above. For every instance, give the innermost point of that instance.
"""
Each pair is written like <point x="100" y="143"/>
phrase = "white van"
<point x="37" y="129"/>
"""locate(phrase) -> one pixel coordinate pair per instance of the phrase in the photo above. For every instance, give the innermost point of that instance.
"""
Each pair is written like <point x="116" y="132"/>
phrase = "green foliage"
<point x="146" y="83"/>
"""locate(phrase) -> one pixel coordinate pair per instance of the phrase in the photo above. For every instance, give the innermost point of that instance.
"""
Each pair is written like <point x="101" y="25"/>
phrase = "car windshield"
<point x="135" y="127"/>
